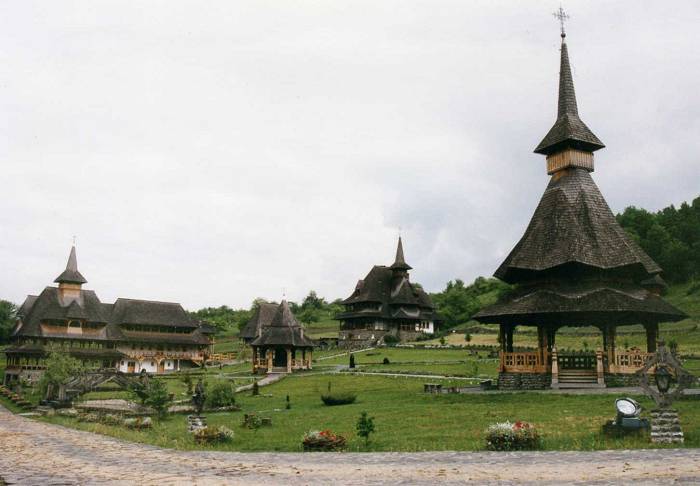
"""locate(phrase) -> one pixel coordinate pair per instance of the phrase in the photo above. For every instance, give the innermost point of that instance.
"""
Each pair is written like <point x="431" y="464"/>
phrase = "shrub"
<point x="256" y="388"/>
<point x="506" y="436"/>
<point x="390" y="339"/>
<point x="212" y="435"/>
<point x="324" y="440"/>
<point x="222" y="394"/>
<point x="338" y="399"/>
<point x="365" y="426"/>
<point x="352" y="361"/>
<point x="157" y="397"/>
<point x="386" y="361"/>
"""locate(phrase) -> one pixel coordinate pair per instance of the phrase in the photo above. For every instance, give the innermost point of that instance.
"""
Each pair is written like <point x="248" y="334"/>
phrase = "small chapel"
<point x="575" y="266"/>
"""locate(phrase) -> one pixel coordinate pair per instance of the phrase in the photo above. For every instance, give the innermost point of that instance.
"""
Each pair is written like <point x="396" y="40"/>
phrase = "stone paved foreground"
<point x="33" y="452"/>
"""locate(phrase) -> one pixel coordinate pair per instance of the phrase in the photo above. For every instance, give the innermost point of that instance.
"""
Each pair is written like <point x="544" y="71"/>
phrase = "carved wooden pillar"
<point x="555" y="368"/>
<point x="269" y="355"/>
<point x="599" y="367"/>
<point x="310" y="358"/>
<point x="611" y="344"/>
<point x="502" y="336"/>
<point x="652" y="336"/>
<point x="289" y="360"/>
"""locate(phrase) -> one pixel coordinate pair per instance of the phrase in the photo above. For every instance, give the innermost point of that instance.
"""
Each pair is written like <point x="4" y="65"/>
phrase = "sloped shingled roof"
<point x="573" y="224"/>
<point x="580" y="304"/>
<point x="71" y="273"/>
<point x="284" y="330"/>
<point x="261" y="318"/>
<point x="569" y="130"/>
<point x="47" y="306"/>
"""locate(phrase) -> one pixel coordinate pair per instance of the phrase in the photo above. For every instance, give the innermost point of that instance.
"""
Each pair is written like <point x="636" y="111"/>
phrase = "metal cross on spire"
<point x="562" y="17"/>
<point x="73" y="240"/>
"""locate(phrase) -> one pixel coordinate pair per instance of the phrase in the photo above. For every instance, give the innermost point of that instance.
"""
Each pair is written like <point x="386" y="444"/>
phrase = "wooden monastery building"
<point x="282" y="345"/>
<point x="386" y="303"/>
<point x="129" y="336"/>
<point x="575" y="266"/>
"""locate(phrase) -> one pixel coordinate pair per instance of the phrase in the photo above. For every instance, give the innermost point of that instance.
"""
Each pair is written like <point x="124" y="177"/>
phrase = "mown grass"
<point x="406" y="419"/>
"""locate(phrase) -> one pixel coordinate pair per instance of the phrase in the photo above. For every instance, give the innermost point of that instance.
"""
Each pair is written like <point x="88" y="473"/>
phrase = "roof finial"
<point x="562" y="17"/>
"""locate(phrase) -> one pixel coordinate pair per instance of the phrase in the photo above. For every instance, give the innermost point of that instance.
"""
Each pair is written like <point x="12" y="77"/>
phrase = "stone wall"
<point x="524" y="381"/>
<point x="616" y="380"/>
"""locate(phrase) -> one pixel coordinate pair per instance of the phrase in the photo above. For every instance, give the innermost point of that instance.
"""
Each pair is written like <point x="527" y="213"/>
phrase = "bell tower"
<point x="71" y="281"/>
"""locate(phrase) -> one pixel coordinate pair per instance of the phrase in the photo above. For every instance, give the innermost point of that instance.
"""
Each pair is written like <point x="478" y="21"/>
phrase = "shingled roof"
<point x="261" y="318"/>
<point x="568" y="130"/>
<point x="580" y="304"/>
<point x="400" y="261"/>
<point x="573" y="224"/>
<point x="71" y="273"/>
<point x="284" y="330"/>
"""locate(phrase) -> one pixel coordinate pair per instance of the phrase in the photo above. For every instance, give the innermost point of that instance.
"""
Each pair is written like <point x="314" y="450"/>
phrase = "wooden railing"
<point x="222" y="357"/>
<point x="522" y="362"/>
<point x="629" y="361"/>
<point x="577" y="361"/>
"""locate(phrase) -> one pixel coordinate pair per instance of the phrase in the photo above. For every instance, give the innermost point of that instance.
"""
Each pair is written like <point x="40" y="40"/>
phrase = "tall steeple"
<point x="569" y="143"/>
<point x="71" y="275"/>
<point x="400" y="262"/>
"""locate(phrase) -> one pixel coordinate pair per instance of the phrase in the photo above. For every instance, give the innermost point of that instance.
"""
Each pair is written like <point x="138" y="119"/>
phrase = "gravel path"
<point x="33" y="453"/>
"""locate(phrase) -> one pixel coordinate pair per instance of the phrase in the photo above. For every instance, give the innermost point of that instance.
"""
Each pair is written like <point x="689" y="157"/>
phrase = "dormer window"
<point x="73" y="323"/>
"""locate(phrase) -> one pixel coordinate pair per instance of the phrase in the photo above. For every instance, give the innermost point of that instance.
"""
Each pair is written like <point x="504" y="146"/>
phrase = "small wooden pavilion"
<point x="282" y="346"/>
<point x="575" y="266"/>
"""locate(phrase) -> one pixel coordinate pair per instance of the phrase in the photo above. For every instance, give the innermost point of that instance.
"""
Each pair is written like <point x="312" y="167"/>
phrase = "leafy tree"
<point x="60" y="367"/>
<point x="671" y="237"/>
<point x="157" y="397"/>
<point x="8" y="313"/>
<point x="365" y="426"/>
<point x="222" y="394"/>
<point x="459" y="302"/>
<point x="223" y="318"/>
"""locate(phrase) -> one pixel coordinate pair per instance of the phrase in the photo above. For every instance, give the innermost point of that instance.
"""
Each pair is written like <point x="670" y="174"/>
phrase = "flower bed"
<point x="505" y="436"/>
<point x="212" y="435"/>
<point x="324" y="440"/>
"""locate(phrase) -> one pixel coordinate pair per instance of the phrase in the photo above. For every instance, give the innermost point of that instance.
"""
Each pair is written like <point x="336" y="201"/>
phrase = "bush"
<point x="506" y="436"/>
<point x="138" y="423"/>
<point x="390" y="339"/>
<point x="386" y="361"/>
<point x="212" y="435"/>
<point x="365" y="426"/>
<point x="222" y="394"/>
<point x="324" y="440"/>
<point x="338" y="399"/>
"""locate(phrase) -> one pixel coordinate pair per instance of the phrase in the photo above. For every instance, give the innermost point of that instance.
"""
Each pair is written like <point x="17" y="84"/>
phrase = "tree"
<point x="157" y="397"/>
<point x="60" y="367"/>
<point x="8" y="314"/>
<point x="351" y="365"/>
<point x="222" y="394"/>
<point x="365" y="426"/>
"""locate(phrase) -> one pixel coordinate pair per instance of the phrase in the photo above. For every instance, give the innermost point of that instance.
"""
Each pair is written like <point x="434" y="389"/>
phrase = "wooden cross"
<point x="562" y="17"/>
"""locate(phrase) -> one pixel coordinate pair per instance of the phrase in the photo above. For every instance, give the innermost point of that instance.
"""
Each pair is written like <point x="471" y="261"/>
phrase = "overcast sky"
<point x="213" y="152"/>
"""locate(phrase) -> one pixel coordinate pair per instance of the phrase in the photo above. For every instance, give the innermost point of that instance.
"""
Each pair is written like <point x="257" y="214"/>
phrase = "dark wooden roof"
<point x="284" y="330"/>
<point x="573" y="224"/>
<point x="48" y="306"/>
<point x="400" y="261"/>
<point x="71" y="273"/>
<point x="569" y="130"/>
<point x="580" y="304"/>
<point x="261" y="318"/>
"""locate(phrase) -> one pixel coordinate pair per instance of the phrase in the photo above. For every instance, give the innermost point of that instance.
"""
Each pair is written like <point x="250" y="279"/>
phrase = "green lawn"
<point x="405" y="418"/>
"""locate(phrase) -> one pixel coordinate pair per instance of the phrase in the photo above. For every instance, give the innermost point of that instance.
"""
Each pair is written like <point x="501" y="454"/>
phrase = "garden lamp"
<point x="662" y="378"/>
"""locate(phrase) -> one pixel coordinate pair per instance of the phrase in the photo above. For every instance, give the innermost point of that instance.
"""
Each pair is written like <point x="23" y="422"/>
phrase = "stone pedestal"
<point x="665" y="426"/>
<point x="196" y="422"/>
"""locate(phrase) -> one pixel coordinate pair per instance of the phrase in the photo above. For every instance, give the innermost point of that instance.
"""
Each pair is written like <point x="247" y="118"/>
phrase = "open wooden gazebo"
<point x="575" y="266"/>
<point x="282" y="346"/>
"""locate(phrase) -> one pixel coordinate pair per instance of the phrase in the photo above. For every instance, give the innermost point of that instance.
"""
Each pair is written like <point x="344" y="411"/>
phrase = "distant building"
<point x="282" y="346"/>
<point x="386" y="303"/>
<point x="261" y="318"/>
<point x="130" y="335"/>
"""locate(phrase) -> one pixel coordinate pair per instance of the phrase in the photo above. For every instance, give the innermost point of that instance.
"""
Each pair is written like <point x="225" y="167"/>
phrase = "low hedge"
<point x="338" y="399"/>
